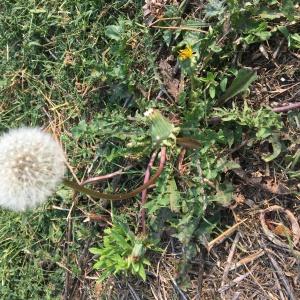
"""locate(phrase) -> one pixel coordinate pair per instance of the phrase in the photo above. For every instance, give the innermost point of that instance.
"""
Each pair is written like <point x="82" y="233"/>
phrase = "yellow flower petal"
<point x="186" y="53"/>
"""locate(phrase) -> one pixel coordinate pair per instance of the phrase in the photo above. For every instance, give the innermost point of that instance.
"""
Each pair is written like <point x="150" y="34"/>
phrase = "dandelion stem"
<point x="122" y="196"/>
<point x="144" y="192"/>
<point x="102" y="177"/>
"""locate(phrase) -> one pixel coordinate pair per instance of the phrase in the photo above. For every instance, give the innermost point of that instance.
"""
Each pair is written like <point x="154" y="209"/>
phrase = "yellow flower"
<point x="186" y="53"/>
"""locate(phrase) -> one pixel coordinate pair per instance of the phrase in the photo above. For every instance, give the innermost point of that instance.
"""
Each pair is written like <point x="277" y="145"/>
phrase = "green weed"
<point x="88" y="71"/>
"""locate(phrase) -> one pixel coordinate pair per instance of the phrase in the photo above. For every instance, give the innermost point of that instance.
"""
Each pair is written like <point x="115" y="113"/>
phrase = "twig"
<point x="91" y="217"/>
<point x="200" y="275"/>
<point x="238" y="147"/>
<point x="257" y="282"/>
<point x="153" y="292"/>
<point x="236" y="296"/>
<point x="233" y="282"/>
<point x="164" y="19"/>
<point x="64" y="267"/>
<point x="69" y="232"/>
<point x="144" y="192"/>
<point x="278" y="286"/>
<point x="224" y="235"/>
<point x="102" y="177"/>
<point x="82" y="262"/>
<point x="247" y="259"/>
<point x="279" y="271"/>
<point x="229" y="260"/>
<point x="188" y="142"/>
<point x="69" y="237"/>
<point x="176" y="286"/>
<point x="288" y="107"/>
<point x="133" y="293"/>
<point x="179" y="28"/>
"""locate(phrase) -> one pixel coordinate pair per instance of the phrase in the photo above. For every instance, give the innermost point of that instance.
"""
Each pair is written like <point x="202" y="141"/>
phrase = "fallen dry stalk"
<point x="232" y="283"/>
<point x="281" y="275"/>
<point x="229" y="259"/>
<point x="224" y="235"/>
<point x="248" y="259"/>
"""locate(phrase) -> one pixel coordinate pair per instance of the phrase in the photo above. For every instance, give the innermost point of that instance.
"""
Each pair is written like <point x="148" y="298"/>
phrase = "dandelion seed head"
<point x="32" y="164"/>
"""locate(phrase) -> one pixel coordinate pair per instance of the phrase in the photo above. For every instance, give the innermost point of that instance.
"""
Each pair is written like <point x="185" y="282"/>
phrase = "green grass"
<point x="87" y="71"/>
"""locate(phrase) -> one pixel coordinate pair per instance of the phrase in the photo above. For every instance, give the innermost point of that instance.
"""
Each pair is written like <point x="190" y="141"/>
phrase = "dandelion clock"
<point x="32" y="164"/>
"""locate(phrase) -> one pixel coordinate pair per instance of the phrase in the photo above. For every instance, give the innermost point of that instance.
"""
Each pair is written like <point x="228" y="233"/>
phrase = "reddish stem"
<point x="144" y="192"/>
<point x="102" y="177"/>
<point x="122" y="196"/>
<point x="288" y="107"/>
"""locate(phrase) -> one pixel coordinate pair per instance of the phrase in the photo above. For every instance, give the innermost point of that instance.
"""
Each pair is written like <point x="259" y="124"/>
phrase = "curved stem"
<point x="144" y="192"/>
<point x="102" y="177"/>
<point x="290" y="106"/>
<point x="122" y="196"/>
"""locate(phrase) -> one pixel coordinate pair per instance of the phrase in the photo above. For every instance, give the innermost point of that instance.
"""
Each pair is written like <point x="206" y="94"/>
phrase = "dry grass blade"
<point x="248" y="259"/>
<point x="224" y="235"/>
<point x="232" y="283"/>
<point x="180" y="28"/>
<point x="133" y="293"/>
<point x="229" y="260"/>
<point x="274" y="187"/>
<point x="281" y="275"/>
<point x="173" y="86"/>
<point x="182" y="295"/>
<point x="153" y="292"/>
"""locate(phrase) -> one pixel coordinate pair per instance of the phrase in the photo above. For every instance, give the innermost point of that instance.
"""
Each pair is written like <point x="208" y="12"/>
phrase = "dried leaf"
<point x="91" y="217"/>
<point x="188" y="142"/>
<point x="271" y="236"/>
<point x="265" y="183"/>
<point x="275" y="187"/>
<point x="282" y="230"/>
<point x="172" y="84"/>
<point x="239" y="198"/>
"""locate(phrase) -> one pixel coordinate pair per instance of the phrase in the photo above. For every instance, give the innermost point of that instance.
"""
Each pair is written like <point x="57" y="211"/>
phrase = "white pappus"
<point x="32" y="164"/>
